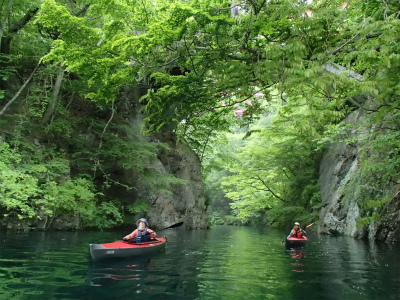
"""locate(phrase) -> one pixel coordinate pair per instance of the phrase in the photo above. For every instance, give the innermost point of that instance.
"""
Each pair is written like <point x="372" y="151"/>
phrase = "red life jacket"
<point x="297" y="233"/>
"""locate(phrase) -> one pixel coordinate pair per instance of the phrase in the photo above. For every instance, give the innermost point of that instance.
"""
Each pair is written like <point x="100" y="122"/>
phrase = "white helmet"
<point x="142" y="220"/>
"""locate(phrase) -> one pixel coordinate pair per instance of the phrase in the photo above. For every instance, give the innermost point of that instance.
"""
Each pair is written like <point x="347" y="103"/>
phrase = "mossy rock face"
<point x="346" y="190"/>
<point x="186" y="202"/>
<point x="388" y="227"/>
<point x="65" y="222"/>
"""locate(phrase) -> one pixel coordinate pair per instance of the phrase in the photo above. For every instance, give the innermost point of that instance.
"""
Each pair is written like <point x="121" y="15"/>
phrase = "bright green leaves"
<point x="138" y="207"/>
<point x="105" y="215"/>
<point x="36" y="188"/>
<point x="271" y="170"/>
<point x="43" y="189"/>
<point x="296" y="48"/>
<point x="140" y="158"/>
<point x="279" y="45"/>
<point x="16" y="190"/>
<point x="89" y="49"/>
<point x="177" y="100"/>
<point x="16" y="186"/>
<point x="61" y="24"/>
<point x="71" y="196"/>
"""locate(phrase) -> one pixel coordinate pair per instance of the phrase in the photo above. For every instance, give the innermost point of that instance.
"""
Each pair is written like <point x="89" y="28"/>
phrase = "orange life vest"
<point x="297" y="233"/>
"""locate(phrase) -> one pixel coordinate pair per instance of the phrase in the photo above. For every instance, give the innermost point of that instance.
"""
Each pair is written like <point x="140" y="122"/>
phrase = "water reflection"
<point x="101" y="273"/>
<point x="167" y="275"/>
<point x="222" y="263"/>
<point x="134" y="274"/>
<point x="296" y="253"/>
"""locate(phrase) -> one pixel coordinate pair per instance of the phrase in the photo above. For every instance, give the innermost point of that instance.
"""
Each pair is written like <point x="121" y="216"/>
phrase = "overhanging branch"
<point x="270" y="190"/>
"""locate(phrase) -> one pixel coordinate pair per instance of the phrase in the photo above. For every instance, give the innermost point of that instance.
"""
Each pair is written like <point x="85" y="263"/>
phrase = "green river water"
<point x="224" y="262"/>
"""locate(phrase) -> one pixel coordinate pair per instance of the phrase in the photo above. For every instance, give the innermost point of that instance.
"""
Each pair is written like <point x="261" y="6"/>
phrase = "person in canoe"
<point x="297" y="232"/>
<point x="142" y="233"/>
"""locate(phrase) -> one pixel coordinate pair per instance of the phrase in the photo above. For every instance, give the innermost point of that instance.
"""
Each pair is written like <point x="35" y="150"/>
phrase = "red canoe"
<point x="295" y="242"/>
<point x="125" y="249"/>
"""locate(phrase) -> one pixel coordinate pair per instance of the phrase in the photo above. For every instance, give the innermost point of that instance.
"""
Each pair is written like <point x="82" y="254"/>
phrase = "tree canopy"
<point x="200" y="60"/>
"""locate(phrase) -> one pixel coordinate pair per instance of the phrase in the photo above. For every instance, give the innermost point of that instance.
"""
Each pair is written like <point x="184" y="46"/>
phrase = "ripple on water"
<point x="222" y="263"/>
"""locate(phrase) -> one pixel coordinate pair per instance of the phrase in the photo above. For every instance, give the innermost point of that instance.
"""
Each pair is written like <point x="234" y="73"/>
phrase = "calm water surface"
<point x="221" y="263"/>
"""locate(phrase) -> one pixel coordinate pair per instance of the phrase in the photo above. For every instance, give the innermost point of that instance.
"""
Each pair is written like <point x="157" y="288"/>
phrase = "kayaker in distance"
<point x="142" y="233"/>
<point x="297" y="232"/>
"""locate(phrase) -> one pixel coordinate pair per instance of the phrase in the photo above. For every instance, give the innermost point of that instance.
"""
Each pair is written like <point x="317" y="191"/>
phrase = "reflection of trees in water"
<point x="226" y="262"/>
<point x="171" y="274"/>
<point x="130" y="273"/>
<point x="186" y="252"/>
<point x="40" y="265"/>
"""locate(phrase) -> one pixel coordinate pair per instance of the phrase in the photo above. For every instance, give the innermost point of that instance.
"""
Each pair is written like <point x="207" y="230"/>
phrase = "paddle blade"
<point x="175" y="225"/>
<point x="172" y="226"/>
<point x="309" y="225"/>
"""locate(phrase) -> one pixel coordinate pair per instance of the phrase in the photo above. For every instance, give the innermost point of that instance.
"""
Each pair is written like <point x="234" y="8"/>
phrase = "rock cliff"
<point x="337" y="168"/>
<point x="340" y="212"/>
<point x="186" y="202"/>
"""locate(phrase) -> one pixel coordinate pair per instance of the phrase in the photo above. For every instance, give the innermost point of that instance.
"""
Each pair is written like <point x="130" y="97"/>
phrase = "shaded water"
<point x="224" y="262"/>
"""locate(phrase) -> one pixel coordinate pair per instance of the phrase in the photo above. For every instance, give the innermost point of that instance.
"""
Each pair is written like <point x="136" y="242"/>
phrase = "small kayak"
<point x="295" y="242"/>
<point x="125" y="249"/>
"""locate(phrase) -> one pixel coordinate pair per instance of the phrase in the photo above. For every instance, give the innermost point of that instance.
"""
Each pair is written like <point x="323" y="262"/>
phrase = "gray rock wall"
<point x="388" y="227"/>
<point x="186" y="202"/>
<point x="339" y="213"/>
<point x="337" y="168"/>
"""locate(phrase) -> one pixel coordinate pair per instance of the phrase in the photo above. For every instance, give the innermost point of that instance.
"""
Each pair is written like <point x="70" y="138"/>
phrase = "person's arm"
<point x="132" y="235"/>
<point x="303" y="233"/>
<point x="290" y="234"/>
<point x="151" y="234"/>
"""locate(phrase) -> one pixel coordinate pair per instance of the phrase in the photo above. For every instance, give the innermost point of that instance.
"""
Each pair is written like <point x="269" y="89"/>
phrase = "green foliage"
<point x="139" y="206"/>
<point x="16" y="187"/>
<point x="33" y="184"/>
<point x="131" y="155"/>
<point x="275" y="169"/>
<point x="199" y="63"/>
<point x="269" y="45"/>
<point x="364" y="221"/>
<point x="106" y="215"/>
<point x="216" y="219"/>
<point x="284" y="216"/>
<point x="375" y="182"/>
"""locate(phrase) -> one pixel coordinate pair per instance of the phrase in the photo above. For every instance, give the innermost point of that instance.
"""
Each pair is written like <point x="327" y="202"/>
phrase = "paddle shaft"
<point x="171" y="226"/>
<point x="309" y="225"/>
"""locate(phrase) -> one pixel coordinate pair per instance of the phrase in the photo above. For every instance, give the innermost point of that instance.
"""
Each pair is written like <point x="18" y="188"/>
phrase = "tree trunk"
<point x="6" y="40"/>
<point x="4" y="22"/>
<point x="19" y="91"/>
<point x="54" y="96"/>
<point x="17" y="26"/>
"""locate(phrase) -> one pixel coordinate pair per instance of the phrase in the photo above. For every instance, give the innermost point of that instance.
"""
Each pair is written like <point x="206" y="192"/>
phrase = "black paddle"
<point x="171" y="226"/>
